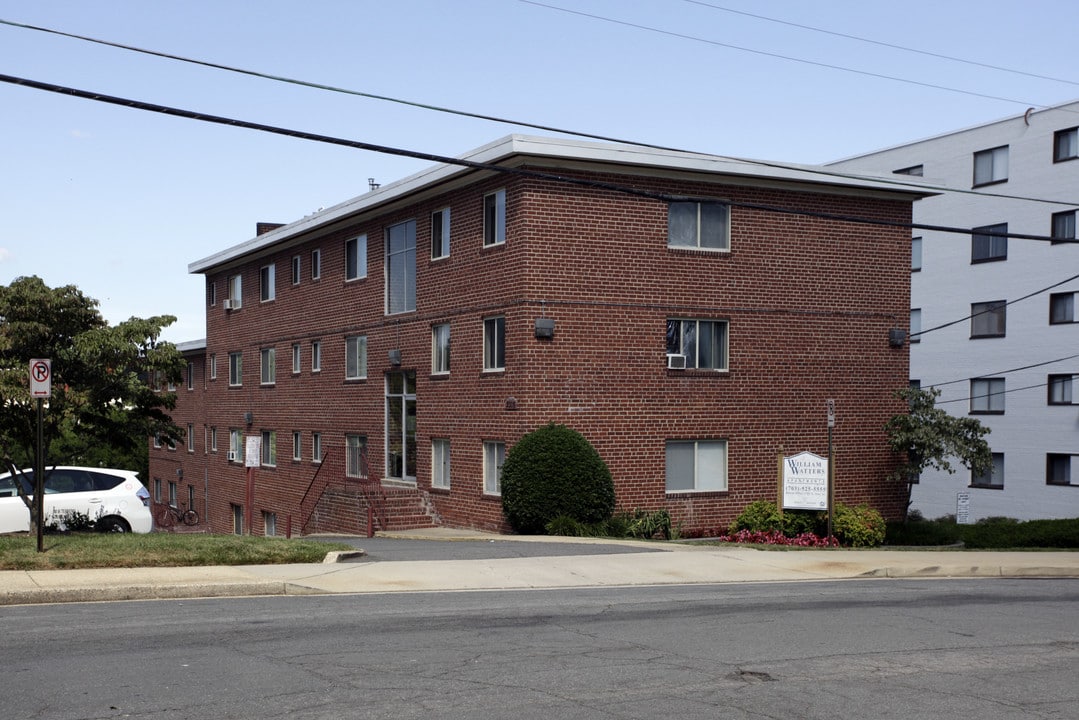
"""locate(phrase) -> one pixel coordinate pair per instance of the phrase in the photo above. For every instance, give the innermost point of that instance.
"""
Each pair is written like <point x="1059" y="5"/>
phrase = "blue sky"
<point x="119" y="201"/>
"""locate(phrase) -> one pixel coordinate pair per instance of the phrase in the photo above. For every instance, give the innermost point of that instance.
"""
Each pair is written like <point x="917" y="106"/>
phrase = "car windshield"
<point x="62" y="480"/>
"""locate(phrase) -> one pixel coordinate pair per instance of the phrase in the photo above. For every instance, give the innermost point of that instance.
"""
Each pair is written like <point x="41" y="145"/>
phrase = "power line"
<point x="992" y="394"/>
<point x="1005" y="372"/>
<point x="880" y="43"/>
<point x="612" y="187"/>
<point x="790" y="58"/>
<point x="993" y="309"/>
<point x="507" y="121"/>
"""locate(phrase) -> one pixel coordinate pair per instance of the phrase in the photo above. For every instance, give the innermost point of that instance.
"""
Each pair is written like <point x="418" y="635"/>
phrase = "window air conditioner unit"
<point x="231" y="304"/>
<point x="232" y="456"/>
<point x="676" y="362"/>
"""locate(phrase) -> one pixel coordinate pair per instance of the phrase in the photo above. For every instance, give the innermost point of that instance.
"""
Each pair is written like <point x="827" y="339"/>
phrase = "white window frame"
<point x="494" y="456"/>
<point x="269" y="448"/>
<point x="709" y="466"/>
<point x="440" y="349"/>
<point x="683" y="336"/>
<point x="915" y="334"/>
<point x="211" y="292"/>
<point x="191" y="437"/>
<point x="236" y="291"/>
<point x="494" y="343"/>
<point x="494" y="218"/>
<point x="297" y="445"/>
<point x="316" y="447"/>
<point x="316" y="264"/>
<point x="213" y="439"/>
<point x="269" y="523"/>
<point x="213" y="366"/>
<point x="400" y="268"/>
<point x="915" y="254"/>
<point x="268" y="283"/>
<point x="356" y="357"/>
<point x="236" y="445"/>
<point x="296" y="359"/>
<point x="440" y="234"/>
<point x="440" y="463"/>
<point x="268" y="366"/>
<point x="316" y="356"/>
<point x="355" y="445"/>
<point x="236" y="369"/>
<point x="356" y="258"/>
<point x="692" y="225"/>
<point x="991" y="166"/>
<point x="191" y="376"/>
<point x="297" y="269"/>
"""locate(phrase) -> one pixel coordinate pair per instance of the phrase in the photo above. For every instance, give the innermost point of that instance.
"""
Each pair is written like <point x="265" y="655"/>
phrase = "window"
<point x="157" y="441"/>
<point x="236" y="293"/>
<point x="987" y="396"/>
<point x="440" y="233"/>
<point x="440" y="464"/>
<point x="356" y="258"/>
<point x="703" y="343"/>
<point x="190" y="437"/>
<point x="1065" y="144"/>
<point x="494" y="218"/>
<point x="236" y="446"/>
<point x="991" y="166"/>
<point x="355" y="456"/>
<point x="992" y="479"/>
<point x="295" y="358"/>
<point x="356" y="357"/>
<point x="915" y="254"/>
<point x="494" y="455"/>
<point x="295" y="269"/>
<point x="157" y="490"/>
<point x="269" y="448"/>
<point x="698" y="225"/>
<point x="401" y="267"/>
<point x="237" y="519"/>
<point x="269" y="523"/>
<point x="1058" y="469"/>
<point x="440" y="349"/>
<point x="316" y="264"/>
<point x="494" y="343"/>
<point x="1063" y="226"/>
<point x="267" y="283"/>
<point x="912" y="170"/>
<point x="316" y="447"/>
<point x="191" y="376"/>
<point x="213" y="439"/>
<point x="236" y="369"/>
<point x="915" y="325"/>
<point x="989" y="243"/>
<point x="316" y="355"/>
<point x="1062" y="308"/>
<point x="987" y="319"/>
<point x="211" y="293"/>
<point x="696" y="466"/>
<point x="213" y="366"/>
<point x="297" y="445"/>
<point x="1060" y="389"/>
<point x="268" y="365"/>
<point x="401" y="425"/>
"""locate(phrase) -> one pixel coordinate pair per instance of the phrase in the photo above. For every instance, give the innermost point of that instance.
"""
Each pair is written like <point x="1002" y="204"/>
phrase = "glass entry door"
<point x="401" y="425"/>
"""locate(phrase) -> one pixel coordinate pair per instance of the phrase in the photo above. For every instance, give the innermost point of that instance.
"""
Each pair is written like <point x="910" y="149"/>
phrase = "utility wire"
<point x="612" y="187"/>
<point x="491" y="118"/>
<point x="992" y="394"/>
<point x="880" y="43"/>
<point x="993" y="309"/>
<point x="867" y="73"/>
<point x="1004" y="372"/>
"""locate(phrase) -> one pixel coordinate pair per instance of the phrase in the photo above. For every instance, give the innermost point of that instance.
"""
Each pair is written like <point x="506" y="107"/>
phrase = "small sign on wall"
<point x="962" y="508"/>
<point x="253" y="451"/>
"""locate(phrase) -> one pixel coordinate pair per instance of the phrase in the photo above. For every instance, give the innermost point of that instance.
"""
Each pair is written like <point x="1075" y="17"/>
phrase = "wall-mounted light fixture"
<point x="896" y="337"/>
<point x="395" y="357"/>
<point x="249" y="417"/>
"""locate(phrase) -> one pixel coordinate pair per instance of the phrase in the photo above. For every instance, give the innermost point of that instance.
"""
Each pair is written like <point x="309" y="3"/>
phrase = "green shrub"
<point x="859" y="526"/>
<point x="998" y="533"/>
<point x="554" y="471"/>
<point x="918" y="532"/>
<point x="645" y="524"/>
<point x="764" y="516"/>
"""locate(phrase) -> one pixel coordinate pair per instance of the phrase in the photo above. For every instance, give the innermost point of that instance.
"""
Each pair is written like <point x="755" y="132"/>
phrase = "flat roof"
<point x="488" y="157"/>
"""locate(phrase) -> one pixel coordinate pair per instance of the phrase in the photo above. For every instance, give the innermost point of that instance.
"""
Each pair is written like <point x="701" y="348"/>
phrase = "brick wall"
<point x="809" y="302"/>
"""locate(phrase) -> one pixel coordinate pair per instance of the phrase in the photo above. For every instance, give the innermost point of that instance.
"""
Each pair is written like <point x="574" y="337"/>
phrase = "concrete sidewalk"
<point x="676" y="564"/>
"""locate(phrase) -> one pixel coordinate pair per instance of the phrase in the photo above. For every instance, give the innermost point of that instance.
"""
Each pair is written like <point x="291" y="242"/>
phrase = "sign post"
<point x="40" y="388"/>
<point x="830" y="406"/>
<point x="252" y="459"/>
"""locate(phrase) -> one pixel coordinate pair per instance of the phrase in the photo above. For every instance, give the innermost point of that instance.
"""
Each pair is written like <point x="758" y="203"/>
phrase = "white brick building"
<point x="1014" y="366"/>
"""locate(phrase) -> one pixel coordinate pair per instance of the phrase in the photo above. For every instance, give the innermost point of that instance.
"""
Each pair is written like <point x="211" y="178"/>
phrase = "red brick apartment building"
<point x="688" y="314"/>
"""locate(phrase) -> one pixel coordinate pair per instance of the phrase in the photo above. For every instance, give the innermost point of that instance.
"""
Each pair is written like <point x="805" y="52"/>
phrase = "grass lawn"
<point x="101" y="550"/>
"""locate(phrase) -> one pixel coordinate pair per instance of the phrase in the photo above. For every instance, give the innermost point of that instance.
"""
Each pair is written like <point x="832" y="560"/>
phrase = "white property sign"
<point x="253" y="451"/>
<point x="805" y="482"/>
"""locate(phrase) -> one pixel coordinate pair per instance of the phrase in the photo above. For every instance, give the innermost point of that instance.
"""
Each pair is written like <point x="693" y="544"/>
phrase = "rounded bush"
<point x="554" y="471"/>
<point x="859" y="526"/>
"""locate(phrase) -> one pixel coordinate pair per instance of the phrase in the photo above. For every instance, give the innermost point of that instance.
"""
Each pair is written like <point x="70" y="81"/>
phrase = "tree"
<point x="931" y="438"/>
<point x="106" y="399"/>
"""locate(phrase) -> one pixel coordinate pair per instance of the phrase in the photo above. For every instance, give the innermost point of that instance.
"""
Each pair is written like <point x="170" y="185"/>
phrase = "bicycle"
<point x="170" y="515"/>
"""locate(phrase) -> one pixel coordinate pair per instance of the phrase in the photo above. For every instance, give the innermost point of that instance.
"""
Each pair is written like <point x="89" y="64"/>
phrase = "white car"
<point x="114" y="500"/>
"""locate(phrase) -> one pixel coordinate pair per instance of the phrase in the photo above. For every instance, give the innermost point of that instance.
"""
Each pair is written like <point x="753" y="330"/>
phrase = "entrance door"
<point x="401" y="425"/>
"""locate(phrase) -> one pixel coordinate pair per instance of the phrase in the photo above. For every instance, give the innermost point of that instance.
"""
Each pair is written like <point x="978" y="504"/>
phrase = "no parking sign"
<point x="41" y="378"/>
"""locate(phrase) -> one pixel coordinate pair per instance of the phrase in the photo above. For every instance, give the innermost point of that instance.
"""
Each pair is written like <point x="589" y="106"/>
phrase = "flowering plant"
<point x="774" y="537"/>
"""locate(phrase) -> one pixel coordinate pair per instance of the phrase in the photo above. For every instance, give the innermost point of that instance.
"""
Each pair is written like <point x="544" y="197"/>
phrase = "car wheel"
<point x="113" y="525"/>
